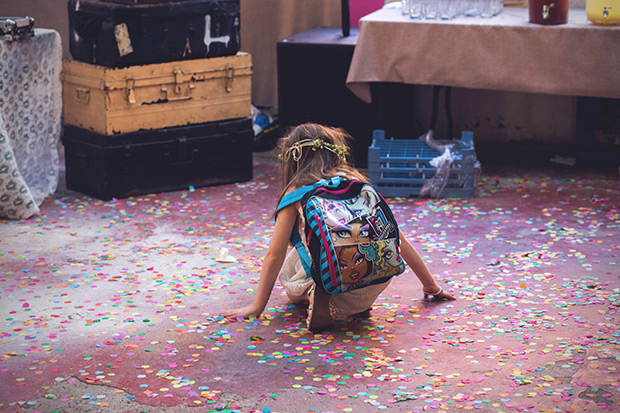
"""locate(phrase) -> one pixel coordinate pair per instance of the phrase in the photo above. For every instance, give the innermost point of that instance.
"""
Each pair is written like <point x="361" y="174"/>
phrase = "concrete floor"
<point x="113" y="306"/>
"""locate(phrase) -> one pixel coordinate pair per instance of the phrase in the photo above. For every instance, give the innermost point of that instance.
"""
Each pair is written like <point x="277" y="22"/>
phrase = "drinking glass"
<point x="486" y="8"/>
<point x="416" y="9"/>
<point x="470" y="8"/>
<point x="498" y="6"/>
<point x="448" y="9"/>
<point x="431" y="8"/>
<point x="404" y="6"/>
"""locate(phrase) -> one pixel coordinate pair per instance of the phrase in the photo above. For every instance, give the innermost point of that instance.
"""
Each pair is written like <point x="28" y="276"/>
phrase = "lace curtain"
<point x="30" y="118"/>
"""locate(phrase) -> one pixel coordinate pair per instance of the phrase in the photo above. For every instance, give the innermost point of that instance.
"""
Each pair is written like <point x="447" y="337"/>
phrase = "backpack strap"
<point x="304" y="257"/>
<point x="299" y="193"/>
<point x="293" y="197"/>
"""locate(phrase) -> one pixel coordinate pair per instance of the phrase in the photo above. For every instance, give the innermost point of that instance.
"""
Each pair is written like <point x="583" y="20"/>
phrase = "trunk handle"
<point x="230" y="76"/>
<point x="83" y="95"/>
<point x="131" y="91"/>
<point x="178" y="79"/>
<point x="164" y="91"/>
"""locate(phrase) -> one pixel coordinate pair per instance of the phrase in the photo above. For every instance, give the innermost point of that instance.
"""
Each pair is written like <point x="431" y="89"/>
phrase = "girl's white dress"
<point x="293" y="278"/>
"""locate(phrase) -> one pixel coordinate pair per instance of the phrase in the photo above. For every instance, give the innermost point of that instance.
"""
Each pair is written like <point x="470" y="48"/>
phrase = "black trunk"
<point x="118" y="166"/>
<point x="117" y="35"/>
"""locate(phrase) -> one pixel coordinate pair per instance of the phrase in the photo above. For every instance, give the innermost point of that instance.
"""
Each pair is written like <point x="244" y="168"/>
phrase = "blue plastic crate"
<point x="401" y="167"/>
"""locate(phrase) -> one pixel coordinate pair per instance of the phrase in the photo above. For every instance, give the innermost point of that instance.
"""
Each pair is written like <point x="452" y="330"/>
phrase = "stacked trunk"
<point x="157" y="98"/>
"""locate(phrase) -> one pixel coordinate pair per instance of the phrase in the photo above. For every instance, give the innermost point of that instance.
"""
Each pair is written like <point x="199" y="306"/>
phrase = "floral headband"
<point x="296" y="149"/>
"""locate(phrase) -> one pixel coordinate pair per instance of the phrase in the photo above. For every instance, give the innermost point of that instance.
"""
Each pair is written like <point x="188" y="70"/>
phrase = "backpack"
<point x="352" y="236"/>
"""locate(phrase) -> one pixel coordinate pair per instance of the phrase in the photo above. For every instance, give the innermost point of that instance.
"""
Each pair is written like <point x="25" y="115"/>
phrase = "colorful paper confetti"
<point x="114" y="305"/>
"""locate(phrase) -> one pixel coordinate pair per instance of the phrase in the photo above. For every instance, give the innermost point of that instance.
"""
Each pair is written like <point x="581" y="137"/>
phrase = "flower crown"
<point x="296" y="149"/>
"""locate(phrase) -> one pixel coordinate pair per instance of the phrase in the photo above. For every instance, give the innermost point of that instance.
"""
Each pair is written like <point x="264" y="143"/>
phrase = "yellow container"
<point x="161" y="95"/>
<point x="604" y="12"/>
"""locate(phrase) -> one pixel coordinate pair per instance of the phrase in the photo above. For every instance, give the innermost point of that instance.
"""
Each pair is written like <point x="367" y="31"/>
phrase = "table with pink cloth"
<point x="504" y="53"/>
<point x="30" y="122"/>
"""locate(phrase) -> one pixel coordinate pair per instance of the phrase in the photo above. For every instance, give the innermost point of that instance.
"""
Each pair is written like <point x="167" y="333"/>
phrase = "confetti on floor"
<point x="113" y="306"/>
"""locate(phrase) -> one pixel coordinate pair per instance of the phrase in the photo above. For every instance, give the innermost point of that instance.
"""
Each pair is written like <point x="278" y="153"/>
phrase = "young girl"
<point x="310" y="153"/>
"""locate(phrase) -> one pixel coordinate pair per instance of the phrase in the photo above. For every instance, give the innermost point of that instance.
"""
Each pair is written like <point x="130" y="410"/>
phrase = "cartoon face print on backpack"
<point x="353" y="264"/>
<point x="387" y="255"/>
<point x="335" y="213"/>
<point x="352" y="233"/>
<point x="364" y="203"/>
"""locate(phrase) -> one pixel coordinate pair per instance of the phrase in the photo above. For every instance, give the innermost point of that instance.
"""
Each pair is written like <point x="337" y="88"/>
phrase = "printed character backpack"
<point x="351" y="233"/>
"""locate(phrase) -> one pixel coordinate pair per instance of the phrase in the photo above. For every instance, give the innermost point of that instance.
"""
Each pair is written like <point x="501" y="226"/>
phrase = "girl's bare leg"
<point x="319" y="317"/>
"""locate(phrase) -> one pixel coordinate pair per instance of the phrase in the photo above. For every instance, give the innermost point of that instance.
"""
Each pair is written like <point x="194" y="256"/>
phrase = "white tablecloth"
<point x="505" y="53"/>
<point x="30" y="116"/>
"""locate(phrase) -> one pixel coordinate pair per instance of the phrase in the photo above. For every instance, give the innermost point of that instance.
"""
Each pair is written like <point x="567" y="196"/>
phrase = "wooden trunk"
<point x="112" y="101"/>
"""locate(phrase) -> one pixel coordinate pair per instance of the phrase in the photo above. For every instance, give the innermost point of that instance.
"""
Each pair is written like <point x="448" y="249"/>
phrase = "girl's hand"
<point x="244" y="312"/>
<point x="438" y="293"/>
<point x="272" y="263"/>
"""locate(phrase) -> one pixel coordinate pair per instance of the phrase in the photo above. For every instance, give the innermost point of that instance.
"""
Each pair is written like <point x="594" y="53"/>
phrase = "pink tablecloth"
<point x="505" y="52"/>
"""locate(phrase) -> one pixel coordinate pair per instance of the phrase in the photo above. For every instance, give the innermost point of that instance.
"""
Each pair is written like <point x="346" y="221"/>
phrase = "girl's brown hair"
<point x="314" y="163"/>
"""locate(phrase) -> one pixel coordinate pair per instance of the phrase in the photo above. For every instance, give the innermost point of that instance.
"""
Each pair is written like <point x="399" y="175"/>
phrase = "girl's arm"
<point x="415" y="262"/>
<point x="272" y="263"/>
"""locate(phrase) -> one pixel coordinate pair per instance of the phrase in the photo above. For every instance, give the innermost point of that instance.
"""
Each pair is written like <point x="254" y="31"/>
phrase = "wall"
<point x="49" y="14"/>
<point x="263" y="23"/>
<point x="494" y="116"/>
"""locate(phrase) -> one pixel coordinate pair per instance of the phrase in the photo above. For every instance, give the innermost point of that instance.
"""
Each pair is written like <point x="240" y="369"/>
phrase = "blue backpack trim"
<point x="293" y="197"/>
